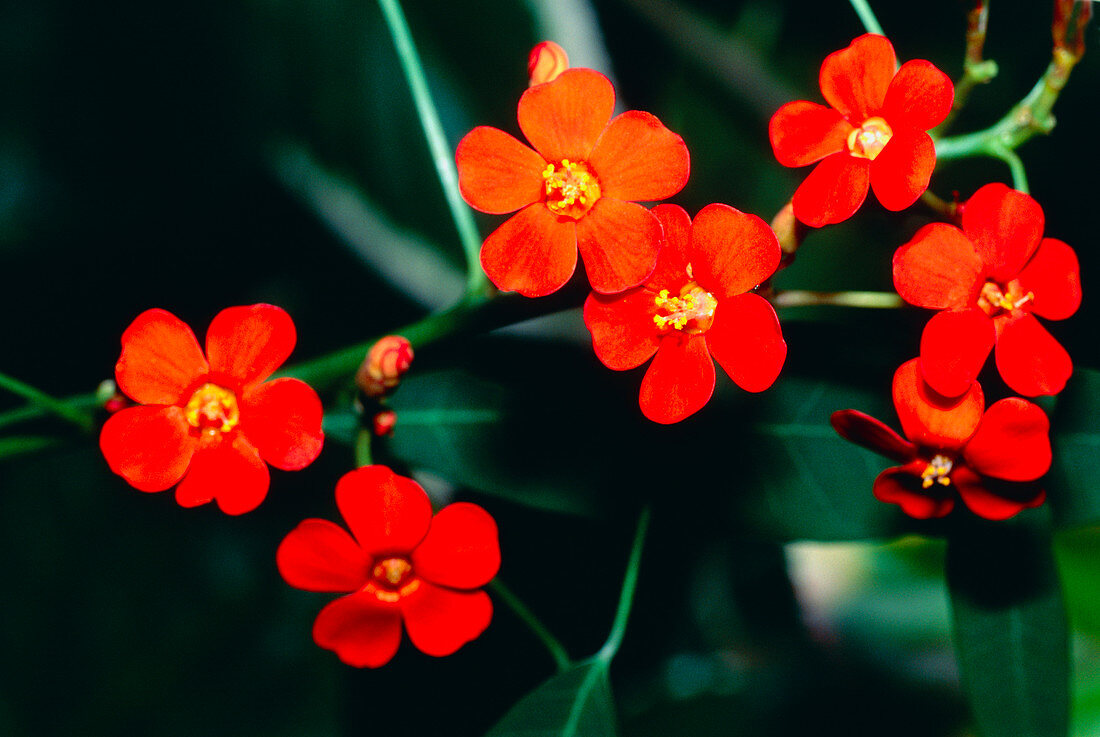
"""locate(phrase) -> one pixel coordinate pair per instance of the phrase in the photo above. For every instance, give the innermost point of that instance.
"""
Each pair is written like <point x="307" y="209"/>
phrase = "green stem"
<point x="626" y="597"/>
<point x="867" y="16"/>
<point x="363" y="455"/>
<point x="442" y="156"/>
<point x="871" y="300"/>
<point x="49" y="404"/>
<point x="1015" y="165"/>
<point x="553" y="646"/>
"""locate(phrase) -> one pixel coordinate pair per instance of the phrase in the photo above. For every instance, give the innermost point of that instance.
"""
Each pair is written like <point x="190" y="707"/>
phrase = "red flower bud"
<point x="386" y="363"/>
<point x="384" y="423"/>
<point x="546" y="62"/>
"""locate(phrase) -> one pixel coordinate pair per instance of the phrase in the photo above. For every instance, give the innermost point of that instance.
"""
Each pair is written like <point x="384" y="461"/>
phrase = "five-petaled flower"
<point x="873" y="135"/>
<point x="211" y="420"/>
<point x="991" y="460"/>
<point x="988" y="279"/>
<point x="578" y="188"/>
<point x="697" y="304"/>
<point x="398" y="564"/>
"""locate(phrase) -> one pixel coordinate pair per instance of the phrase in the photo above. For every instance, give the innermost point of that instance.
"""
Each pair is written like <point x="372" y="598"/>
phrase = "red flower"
<point x="992" y="460"/>
<point x="576" y="189"/>
<point x="987" y="279"/>
<point x="401" y="564"/>
<point x="872" y="136"/>
<point x="211" y="420"/>
<point x="697" y="304"/>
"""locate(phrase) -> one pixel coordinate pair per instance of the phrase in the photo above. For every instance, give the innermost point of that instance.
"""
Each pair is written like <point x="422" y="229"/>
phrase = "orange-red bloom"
<point x="578" y="188"/>
<point x="989" y="280"/>
<point x="991" y="460"/>
<point x="873" y="135"/>
<point x="211" y="420"/>
<point x="399" y="564"/>
<point x="697" y="304"/>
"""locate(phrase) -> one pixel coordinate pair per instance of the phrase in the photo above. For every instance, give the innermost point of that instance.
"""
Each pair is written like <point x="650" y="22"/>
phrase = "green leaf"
<point x="576" y="703"/>
<point x="1011" y="634"/>
<point x="18" y="446"/>
<point x="1072" y="485"/>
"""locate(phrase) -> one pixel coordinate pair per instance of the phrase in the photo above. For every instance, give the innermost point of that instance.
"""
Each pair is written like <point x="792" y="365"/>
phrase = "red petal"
<point x="804" y="132"/>
<point x="619" y="242"/>
<point x="319" y="555"/>
<point x="150" y="447"/>
<point x="938" y="269"/>
<point x="953" y="349"/>
<point x="1005" y="226"/>
<point x="247" y="344"/>
<point x="282" y="418"/>
<point x="497" y="173"/>
<point x="563" y="119"/>
<point x="747" y="342"/>
<point x="161" y="359"/>
<point x="872" y="434"/>
<point x="1054" y="277"/>
<point x="833" y="191"/>
<point x="533" y="253"/>
<point x="902" y="485"/>
<point x="993" y="499"/>
<point x="441" y="621"/>
<point x="638" y="158"/>
<point x="461" y="549"/>
<point x="230" y="472"/>
<point x="1030" y="360"/>
<point x="362" y="631"/>
<point x="623" y="333"/>
<point x="919" y="96"/>
<point x="731" y="251"/>
<point x="932" y="420"/>
<point x="901" y="172"/>
<point x="672" y="261"/>
<point x="855" y="80"/>
<point x="1012" y="443"/>
<point x="679" y="381"/>
<point x="387" y="513"/>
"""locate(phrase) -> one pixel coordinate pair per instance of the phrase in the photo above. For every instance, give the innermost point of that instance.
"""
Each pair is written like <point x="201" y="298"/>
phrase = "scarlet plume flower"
<point x="989" y="279"/>
<point x="578" y="188"/>
<point x="211" y="420"/>
<point x="873" y="135"/>
<point x="991" y="460"/>
<point x="398" y="564"/>
<point x="697" y="304"/>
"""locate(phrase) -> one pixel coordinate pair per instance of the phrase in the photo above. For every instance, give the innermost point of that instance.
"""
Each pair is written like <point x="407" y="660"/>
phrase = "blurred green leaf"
<point x="18" y="446"/>
<point x="1075" y="436"/>
<point x="1011" y="634"/>
<point x="576" y="703"/>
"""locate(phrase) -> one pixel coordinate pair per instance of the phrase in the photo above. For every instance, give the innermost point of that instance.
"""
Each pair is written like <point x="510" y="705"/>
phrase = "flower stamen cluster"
<point x="868" y="140"/>
<point x="570" y="190"/>
<point x="212" y="409"/>
<point x="937" y="472"/>
<point x="694" y="306"/>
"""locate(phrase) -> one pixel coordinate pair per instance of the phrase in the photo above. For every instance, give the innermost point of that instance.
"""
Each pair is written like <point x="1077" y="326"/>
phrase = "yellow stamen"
<point x="572" y="190"/>
<point x="937" y="472"/>
<point x="867" y="141"/>
<point x="212" y="409"/>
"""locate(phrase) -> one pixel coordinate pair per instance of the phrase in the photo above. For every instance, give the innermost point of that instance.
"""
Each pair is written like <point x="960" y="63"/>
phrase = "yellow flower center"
<point x="391" y="578"/>
<point x="212" y="409"/>
<point x="869" y="139"/>
<point x="692" y="311"/>
<point x="995" y="299"/>
<point x="571" y="189"/>
<point x="937" y="472"/>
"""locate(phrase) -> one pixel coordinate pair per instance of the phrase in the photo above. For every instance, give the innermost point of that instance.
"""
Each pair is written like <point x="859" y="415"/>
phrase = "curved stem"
<point x="442" y="156"/>
<point x="867" y="16"/>
<point x="49" y="404"/>
<point x="1015" y="165"/>
<point x="626" y="596"/>
<point x="553" y="646"/>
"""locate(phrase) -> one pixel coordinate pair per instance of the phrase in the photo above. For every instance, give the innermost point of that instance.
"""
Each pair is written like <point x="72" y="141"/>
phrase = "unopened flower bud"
<point x="111" y="399"/>
<point x="546" y="62"/>
<point x="384" y="422"/>
<point x="1071" y="18"/>
<point x="386" y="362"/>
<point x="789" y="231"/>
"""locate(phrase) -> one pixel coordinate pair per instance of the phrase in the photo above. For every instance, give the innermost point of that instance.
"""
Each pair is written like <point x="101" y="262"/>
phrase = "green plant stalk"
<point x="869" y="300"/>
<point x="552" y="644"/>
<point x="363" y="456"/>
<point x="867" y="16"/>
<point x="442" y="156"/>
<point x="626" y="597"/>
<point x="49" y="404"/>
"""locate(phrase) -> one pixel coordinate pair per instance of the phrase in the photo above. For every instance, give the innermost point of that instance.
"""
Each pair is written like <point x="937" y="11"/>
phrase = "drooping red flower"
<point x="989" y="280"/>
<point x="578" y="188"/>
<point x="697" y="304"/>
<point x="211" y="420"/>
<point x="872" y="135"/>
<point x="992" y="460"/>
<point x="398" y="564"/>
